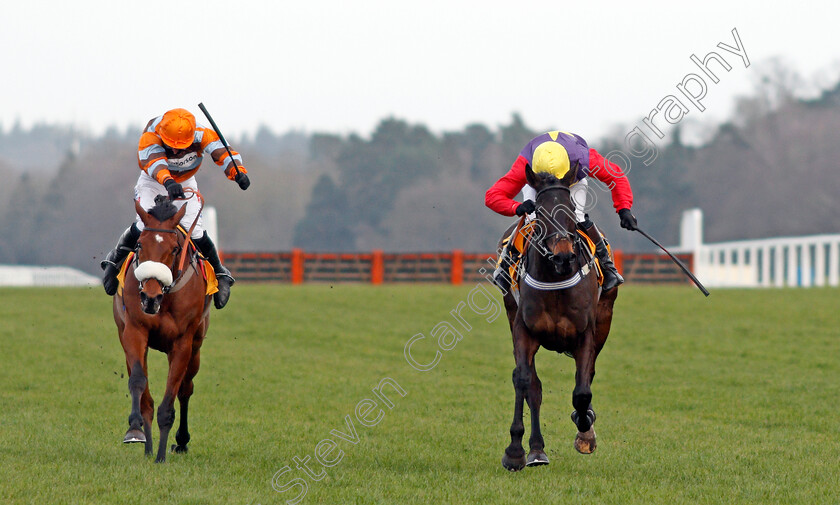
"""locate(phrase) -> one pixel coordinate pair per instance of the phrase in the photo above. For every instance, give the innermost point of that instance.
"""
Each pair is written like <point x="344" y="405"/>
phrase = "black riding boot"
<point x="611" y="276"/>
<point x="208" y="249"/>
<point x="111" y="263"/>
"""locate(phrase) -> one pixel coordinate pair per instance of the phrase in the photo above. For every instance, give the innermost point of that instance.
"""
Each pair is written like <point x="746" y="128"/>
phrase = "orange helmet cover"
<point x="177" y="128"/>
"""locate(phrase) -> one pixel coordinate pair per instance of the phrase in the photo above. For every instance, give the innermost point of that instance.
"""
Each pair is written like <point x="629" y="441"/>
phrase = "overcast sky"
<point x="334" y="66"/>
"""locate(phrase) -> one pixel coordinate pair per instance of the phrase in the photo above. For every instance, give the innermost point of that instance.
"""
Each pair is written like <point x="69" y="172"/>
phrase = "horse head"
<point x="555" y="235"/>
<point x="157" y="251"/>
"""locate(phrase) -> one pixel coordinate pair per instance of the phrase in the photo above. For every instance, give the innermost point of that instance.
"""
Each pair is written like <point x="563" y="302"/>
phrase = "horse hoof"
<point x="179" y="449"/>
<point x="585" y="442"/>
<point x="537" y="458"/>
<point x="134" y="436"/>
<point x="513" y="464"/>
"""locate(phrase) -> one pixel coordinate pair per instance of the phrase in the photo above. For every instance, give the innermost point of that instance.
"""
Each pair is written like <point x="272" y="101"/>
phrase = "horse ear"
<point x="144" y="216"/>
<point x="174" y="220"/>
<point x="530" y="176"/>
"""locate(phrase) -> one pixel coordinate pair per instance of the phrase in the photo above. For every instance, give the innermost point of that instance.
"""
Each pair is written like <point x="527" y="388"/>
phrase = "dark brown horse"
<point x="166" y="310"/>
<point x="560" y="308"/>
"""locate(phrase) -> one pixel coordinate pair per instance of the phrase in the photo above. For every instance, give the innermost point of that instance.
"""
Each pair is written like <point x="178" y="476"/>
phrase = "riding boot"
<point x="208" y="249"/>
<point x="611" y="276"/>
<point x="111" y="263"/>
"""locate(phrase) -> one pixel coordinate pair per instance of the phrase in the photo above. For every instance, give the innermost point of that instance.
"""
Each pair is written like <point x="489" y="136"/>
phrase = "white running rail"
<point x="774" y="262"/>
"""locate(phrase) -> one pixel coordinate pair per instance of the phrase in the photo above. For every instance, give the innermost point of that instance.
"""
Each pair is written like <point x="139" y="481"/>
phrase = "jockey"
<point x="169" y="154"/>
<point x="556" y="152"/>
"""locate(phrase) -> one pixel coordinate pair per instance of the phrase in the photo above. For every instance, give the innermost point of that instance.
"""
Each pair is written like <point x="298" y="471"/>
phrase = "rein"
<point x="192" y="227"/>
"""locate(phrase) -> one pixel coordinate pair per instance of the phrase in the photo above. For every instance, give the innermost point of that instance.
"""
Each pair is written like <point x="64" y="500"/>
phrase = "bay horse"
<point x="560" y="308"/>
<point x="165" y="309"/>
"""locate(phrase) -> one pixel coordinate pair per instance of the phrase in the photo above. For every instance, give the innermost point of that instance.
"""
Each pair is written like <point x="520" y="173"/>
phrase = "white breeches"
<point x="578" y="198"/>
<point x="147" y="189"/>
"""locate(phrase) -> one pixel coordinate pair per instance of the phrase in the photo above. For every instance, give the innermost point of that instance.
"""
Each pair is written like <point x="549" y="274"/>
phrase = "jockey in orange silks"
<point x="170" y="152"/>
<point x="556" y="152"/>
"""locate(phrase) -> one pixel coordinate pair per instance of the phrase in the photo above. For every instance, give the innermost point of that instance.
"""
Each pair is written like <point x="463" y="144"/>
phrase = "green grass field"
<point x="730" y="399"/>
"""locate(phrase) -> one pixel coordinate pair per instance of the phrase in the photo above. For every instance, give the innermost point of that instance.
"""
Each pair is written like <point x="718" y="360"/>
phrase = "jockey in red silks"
<point x="555" y="152"/>
<point x="169" y="154"/>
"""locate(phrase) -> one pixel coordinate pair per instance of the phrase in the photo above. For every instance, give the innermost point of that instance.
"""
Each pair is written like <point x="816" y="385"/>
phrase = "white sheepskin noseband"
<point x="154" y="270"/>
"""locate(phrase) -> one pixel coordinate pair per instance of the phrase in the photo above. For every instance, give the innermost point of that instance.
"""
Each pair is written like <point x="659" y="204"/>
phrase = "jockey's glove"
<point x="628" y="220"/>
<point x="526" y="207"/>
<point x="174" y="189"/>
<point x="243" y="180"/>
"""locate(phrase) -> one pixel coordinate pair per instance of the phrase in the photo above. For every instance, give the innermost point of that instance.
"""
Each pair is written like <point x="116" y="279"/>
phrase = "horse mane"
<point x="163" y="209"/>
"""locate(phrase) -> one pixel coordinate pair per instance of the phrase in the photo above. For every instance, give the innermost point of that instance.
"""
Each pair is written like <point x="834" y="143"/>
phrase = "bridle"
<point x="184" y="247"/>
<point x="577" y="247"/>
<point x="570" y="236"/>
<point x="179" y="249"/>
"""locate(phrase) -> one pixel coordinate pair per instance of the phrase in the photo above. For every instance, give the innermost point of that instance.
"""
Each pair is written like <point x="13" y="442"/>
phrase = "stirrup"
<point x="612" y="278"/>
<point x="224" y="273"/>
<point x="225" y="280"/>
<point x="501" y="280"/>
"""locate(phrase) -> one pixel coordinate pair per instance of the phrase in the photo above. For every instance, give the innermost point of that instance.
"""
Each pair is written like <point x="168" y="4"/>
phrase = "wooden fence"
<point x="378" y="267"/>
<point x="652" y="268"/>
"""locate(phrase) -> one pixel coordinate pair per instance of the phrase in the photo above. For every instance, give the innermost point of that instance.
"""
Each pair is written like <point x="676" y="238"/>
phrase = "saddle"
<point x="203" y="266"/>
<point x="518" y="249"/>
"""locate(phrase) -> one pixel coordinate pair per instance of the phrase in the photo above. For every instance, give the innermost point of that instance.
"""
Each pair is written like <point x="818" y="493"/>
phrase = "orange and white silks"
<point x="160" y="162"/>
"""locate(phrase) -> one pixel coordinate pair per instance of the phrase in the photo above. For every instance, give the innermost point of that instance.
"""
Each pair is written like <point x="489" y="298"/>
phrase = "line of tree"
<point x="770" y="171"/>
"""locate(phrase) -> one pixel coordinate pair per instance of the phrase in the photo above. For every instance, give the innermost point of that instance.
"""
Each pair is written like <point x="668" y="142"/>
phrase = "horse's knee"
<point x="137" y="379"/>
<point x="166" y="416"/>
<point x="521" y="378"/>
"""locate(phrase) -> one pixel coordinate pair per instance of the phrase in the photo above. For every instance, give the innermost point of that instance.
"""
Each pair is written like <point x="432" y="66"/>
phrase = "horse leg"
<point x="179" y="358"/>
<point x="603" y="320"/>
<point x="584" y="416"/>
<point x="182" y="436"/>
<point x="147" y="408"/>
<point x="136" y="385"/>
<point x="134" y="347"/>
<point x="537" y="455"/>
<point x="524" y="348"/>
<point x="510" y="309"/>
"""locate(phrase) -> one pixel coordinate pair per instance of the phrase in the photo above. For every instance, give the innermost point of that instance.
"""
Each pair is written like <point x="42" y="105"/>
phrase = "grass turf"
<point x="730" y="399"/>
